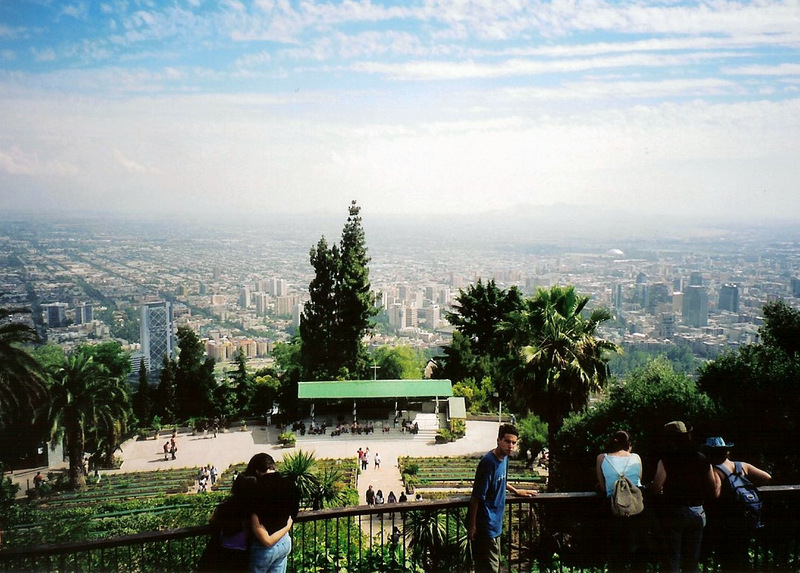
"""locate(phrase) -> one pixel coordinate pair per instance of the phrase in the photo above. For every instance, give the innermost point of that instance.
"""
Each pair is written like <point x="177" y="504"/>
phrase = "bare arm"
<point x="472" y="528"/>
<point x="713" y="482"/>
<point x="521" y="492"/>
<point x="263" y="536"/>
<point x="601" y="479"/>
<point x="755" y="475"/>
<point x="659" y="479"/>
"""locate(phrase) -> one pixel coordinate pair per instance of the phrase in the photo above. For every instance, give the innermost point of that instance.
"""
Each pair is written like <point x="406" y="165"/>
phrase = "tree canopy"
<point x="339" y="311"/>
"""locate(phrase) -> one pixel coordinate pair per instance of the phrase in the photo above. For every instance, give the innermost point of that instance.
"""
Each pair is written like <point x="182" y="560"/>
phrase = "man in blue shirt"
<point x="488" y="502"/>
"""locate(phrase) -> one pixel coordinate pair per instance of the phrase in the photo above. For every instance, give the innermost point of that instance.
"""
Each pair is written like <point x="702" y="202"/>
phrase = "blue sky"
<point x="680" y="108"/>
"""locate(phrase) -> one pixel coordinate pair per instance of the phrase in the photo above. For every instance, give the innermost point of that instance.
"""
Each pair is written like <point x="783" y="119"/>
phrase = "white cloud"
<point x="764" y="70"/>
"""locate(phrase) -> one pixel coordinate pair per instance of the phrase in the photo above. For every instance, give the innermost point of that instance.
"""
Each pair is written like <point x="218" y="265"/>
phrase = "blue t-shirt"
<point x="490" y="489"/>
<point x="630" y="466"/>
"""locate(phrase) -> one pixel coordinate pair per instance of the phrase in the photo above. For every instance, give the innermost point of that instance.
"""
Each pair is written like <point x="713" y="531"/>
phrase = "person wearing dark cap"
<point x="729" y="533"/>
<point x="685" y="480"/>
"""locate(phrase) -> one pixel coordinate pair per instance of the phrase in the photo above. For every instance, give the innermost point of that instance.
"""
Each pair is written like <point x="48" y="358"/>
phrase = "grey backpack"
<point x="626" y="498"/>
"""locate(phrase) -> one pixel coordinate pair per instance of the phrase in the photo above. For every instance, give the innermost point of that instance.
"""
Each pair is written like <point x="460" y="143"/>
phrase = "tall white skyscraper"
<point x="157" y="333"/>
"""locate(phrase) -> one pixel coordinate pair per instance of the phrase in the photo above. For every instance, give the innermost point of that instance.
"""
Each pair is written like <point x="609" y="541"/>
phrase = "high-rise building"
<point x="157" y="333"/>
<point x="695" y="306"/>
<point x="696" y="278"/>
<point x="284" y="305"/>
<point x="84" y="314"/>
<point x="244" y="297"/>
<point x="56" y="314"/>
<point x="666" y="326"/>
<point x="262" y="303"/>
<point x="795" y="286"/>
<point x="729" y="297"/>
<point x="432" y="318"/>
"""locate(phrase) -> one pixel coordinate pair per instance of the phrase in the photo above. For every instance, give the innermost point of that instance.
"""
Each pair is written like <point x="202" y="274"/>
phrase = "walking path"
<point x="236" y="446"/>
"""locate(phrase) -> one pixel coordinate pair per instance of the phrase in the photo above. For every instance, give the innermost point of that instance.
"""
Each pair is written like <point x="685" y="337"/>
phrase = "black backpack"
<point x="742" y="495"/>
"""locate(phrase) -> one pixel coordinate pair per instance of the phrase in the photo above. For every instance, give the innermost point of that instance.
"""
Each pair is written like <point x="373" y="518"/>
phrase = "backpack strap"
<point x="725" y="471"/>
<point x="738" y="467"/>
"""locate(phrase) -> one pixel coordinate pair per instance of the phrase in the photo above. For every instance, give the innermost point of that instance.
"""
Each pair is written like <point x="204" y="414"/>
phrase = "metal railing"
<point x="551" y="532"/>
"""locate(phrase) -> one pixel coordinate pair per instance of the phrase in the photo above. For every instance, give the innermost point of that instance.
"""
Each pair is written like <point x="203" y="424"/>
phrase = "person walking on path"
<point x="377" y="461"/>
<point x="488" y="501"/>
<point x="370" y="496"/>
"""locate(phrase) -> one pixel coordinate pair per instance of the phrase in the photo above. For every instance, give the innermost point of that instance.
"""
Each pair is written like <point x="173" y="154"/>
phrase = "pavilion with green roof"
<point x="375" y="394"/>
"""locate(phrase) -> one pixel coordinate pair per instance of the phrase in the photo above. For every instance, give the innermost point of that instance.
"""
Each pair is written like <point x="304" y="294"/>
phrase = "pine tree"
<point x="194" y="377"/>
<point x="339" y="311"/>
<point x="354" y="301"/>
<point x="142" y="399"/>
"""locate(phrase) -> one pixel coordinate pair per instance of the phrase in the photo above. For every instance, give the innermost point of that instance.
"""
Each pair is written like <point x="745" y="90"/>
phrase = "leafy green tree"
<point x="194" y="376"/>
<point x="166" y="402"/>
<point x="143" y="399"/>
<point x="111" y="355"/>
<point x="398" y="363"/>
<point x="85" y="401"/>
<point x="339" y="311"/>
<point x="532" y="434"/>
<point x="479" y="347"/>
<point x="22" y="378"/>
<point x="781" y="328"/>
<point x="288" y="360"/>
<point x="561" y="359"/>
<point x="242" y="382"/>
<point x="316" y="325"/>
<point x="640" y="404"/>
<point x="477" y="395"/>
<point x="266" y="392"/>
<point x="477" y="313"/>
<point x="756" y="389"/>
<point x="354" y="302"/>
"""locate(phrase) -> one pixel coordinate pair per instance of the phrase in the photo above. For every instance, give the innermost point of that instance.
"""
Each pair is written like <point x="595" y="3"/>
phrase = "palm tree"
<point x="22" y="379"/>
<point x="561" y="360"/>
<point x="84" y="402"/>
<point x="300" y="467"/>
<point x="426" y="534"/>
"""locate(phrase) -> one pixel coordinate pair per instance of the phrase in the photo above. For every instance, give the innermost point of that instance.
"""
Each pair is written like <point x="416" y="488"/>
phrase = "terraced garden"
<point x="348" y="468"/>
<point x="118" y="487"/>
<point x="457" y="473"/>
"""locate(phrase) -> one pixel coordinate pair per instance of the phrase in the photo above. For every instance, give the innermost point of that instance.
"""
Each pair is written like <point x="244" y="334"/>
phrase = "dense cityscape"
<point x="244" y="287"/>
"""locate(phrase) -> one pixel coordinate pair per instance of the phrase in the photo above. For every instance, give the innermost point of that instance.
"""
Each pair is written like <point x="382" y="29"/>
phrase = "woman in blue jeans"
<point x="269" y="552"/>
<point x="273" y="505"/>
<point x="684" y="479"/>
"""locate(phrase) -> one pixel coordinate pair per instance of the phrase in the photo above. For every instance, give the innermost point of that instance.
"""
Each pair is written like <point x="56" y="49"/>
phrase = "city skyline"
<point x="675" y="109"/>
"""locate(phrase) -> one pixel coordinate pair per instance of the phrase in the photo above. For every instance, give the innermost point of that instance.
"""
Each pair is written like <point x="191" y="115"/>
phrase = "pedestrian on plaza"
<point x="173" y="448"/>
<point x="488" y="501"/>
<point x="166" y="450"/>
<point x="370" y="496"/>
<point x="403" y="497"/>
<point x="379" y="500"/>
<point x="377" y="461"/>
<point x="392" y="498"/>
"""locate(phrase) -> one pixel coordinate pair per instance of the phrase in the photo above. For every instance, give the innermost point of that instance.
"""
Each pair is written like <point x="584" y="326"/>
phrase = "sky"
<point x="255" y="107"/>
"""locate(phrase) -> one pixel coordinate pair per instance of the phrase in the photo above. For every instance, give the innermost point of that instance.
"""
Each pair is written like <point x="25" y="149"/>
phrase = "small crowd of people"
<point x="364" y="456"/>
<point x="170" y="449"/>
<point x="690" y="498"/>
<point x="411" y="428"/>
<point x="206" y="478"/>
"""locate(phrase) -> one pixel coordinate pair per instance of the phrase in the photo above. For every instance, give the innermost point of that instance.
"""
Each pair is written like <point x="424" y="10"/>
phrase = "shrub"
<point x="287" y="439"/>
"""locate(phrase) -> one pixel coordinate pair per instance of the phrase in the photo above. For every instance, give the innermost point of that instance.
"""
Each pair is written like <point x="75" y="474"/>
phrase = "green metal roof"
<point x="374" y="389"/>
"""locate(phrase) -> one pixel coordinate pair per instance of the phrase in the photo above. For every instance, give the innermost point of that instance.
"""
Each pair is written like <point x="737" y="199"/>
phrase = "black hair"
<point x="260" y="463"/>
<point x="621" y="440"/>
<point x="507" y="429"/>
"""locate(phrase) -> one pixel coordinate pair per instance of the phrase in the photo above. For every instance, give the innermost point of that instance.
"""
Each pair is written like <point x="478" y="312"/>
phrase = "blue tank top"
<point x="630" y="466"/>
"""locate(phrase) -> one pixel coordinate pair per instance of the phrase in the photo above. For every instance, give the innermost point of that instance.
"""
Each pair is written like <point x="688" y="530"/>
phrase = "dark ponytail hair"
<point x="621" y="440"/>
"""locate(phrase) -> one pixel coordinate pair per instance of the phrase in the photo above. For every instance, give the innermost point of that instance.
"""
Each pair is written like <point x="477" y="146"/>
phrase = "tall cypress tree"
<point x="142" y="400"/>
<point x="338" y="314"/>
<point x="354" y="301"/>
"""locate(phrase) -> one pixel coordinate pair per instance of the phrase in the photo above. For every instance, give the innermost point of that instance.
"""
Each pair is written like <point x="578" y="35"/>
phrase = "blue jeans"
<point x="684" y="529"/>
<point x="270" y="559"/>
